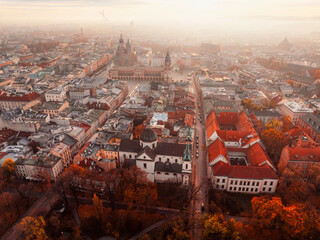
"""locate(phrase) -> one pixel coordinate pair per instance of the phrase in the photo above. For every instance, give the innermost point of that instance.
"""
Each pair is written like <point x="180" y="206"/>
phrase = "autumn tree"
<point x="249" y="104"/>
<point x="68" y="182"/>
<point x="317" y="74"/>
<point x="8" y="168"/>
<point x="44" y="178"/>
<point x="217" y="227"/>
<point x="138" y="130"/>
<point x="274" y="141"/>
<point x="272" y="218"/>
<point x="33" y="228"/>
<point x="179" y="230"/>
<point x="137" y="187"/>
<point x="112" y="182"/>
<point x="97" y="203"/>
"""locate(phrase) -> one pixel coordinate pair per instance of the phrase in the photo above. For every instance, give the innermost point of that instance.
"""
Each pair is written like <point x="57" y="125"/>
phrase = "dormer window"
<point x="296" y="156"/>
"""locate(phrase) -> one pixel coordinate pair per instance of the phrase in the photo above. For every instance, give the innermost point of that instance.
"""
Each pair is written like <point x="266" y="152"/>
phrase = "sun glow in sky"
<point x="227" y="14"/>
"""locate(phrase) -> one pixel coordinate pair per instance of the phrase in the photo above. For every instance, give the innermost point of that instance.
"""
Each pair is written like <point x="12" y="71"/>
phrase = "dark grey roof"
<point x="147" y="151"/>
<point x="168" y="167"/>
<point x="128" y="145"/>
<point x="312" y="121"/>
<point x="148" y="135"/>
<point x="170" y="149"/>
<point x="70" y="141"/>
<point x="264" y="113"/>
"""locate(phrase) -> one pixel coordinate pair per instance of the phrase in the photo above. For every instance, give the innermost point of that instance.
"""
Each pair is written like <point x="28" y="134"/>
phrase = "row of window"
<point x="243" y="189"/>
<point x="244" y="183"/>
<point x="167" y="173"/>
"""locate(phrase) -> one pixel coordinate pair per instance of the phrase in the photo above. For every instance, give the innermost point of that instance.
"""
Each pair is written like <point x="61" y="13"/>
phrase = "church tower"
<point x="167" y="62"/>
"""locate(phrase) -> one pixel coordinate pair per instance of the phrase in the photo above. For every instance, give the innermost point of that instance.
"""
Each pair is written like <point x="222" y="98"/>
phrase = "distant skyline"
<point x="238" y="15"/>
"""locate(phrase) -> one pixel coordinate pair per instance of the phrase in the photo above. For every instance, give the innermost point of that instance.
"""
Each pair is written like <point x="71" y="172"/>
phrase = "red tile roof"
<point x="303" y="154"/>
<point x="216" y="149"/>
<point x="228" y="118"/>
<point x="256" y="155"/>
<point x="229" y="135"/>
<point x="246" y="172"/>
<point x="25" y="98"/>
<point x="244" y="123"/>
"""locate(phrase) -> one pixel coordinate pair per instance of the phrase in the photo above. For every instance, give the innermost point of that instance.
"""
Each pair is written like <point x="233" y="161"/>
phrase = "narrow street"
<point x="200" y="178"/>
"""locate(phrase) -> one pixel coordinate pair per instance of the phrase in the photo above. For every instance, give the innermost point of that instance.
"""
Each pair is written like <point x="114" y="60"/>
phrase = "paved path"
<point x="40" y="207"/>
<point x="148" y="229"/>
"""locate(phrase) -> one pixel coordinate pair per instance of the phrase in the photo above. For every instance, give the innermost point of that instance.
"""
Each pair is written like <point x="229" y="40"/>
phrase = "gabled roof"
<point x="148" y="151"/>
<point x="256" y="155"/>
<point x="216" y="149"/>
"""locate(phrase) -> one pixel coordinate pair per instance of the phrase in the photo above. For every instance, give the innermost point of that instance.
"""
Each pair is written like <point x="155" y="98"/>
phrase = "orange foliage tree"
<point x="138" y="130"/>
<point x="274" y="141"/>
<point x="271" y="218"/>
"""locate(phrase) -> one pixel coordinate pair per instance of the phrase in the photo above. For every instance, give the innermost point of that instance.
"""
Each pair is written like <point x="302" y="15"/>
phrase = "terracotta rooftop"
<point x="25" y="98"/>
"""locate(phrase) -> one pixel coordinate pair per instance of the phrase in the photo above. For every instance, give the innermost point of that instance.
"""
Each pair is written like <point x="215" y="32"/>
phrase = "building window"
<point x="223" y="180"/>
<point x="166" y="173"/>
<point x="235" y="188"/>
<point x="186" y="166"/>
<point x="263" y="189"/>
<point x="174" y="174"/>
<point x="247" y="189"/>
<point x="144" y="165"/>
<point x="158" y="173"/>
<point x="265" y="183"/>
<point x="176" y="160"/>
<point x="256" y="190"/>
<point x="258" y="183"/>
<point x="271" y="183"/>
<point x="218" y="180"/>
<point x="130" y="156"/>
<point x="240" y="182"/>
<point x="270" y="189"/>
<point x="222" y="186"/>
<point x="251" y="189"/>
<point x="217" y="186"/>
<point x="236" y="182"/>
<point x="160" y="159"/>
<point x="231" y="182"/>
<point x="230" y="188"/>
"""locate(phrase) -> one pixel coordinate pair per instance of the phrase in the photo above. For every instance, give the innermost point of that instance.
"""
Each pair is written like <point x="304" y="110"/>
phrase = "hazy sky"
<point x="180" y="12"/>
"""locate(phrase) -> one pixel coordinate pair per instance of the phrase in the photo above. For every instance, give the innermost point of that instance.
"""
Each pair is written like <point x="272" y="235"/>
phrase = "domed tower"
<point x="148" y="138"/>
<point x="167" y="61"/>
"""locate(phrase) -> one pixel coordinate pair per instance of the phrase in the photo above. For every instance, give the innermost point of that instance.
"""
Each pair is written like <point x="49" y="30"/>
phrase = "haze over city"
<point x="209" y="18"/>
<point x="160" y="119"/>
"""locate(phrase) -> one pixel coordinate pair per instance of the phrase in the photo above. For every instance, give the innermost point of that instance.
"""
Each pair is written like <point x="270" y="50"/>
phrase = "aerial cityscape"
<point x="151" y="120"/>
